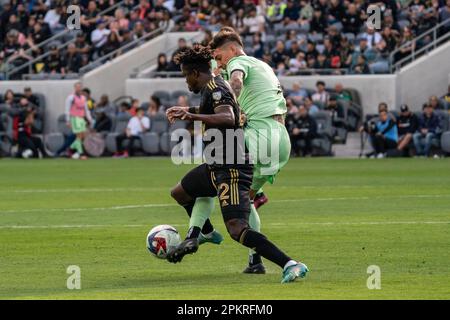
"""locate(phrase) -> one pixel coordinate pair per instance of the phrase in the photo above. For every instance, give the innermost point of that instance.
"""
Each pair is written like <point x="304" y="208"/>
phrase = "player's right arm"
<point x="223" y="117"/>
<point x="237" y="82"/>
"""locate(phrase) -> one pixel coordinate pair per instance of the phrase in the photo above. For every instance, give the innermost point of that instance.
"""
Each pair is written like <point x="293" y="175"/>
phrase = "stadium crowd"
<point x="292" y="36"/>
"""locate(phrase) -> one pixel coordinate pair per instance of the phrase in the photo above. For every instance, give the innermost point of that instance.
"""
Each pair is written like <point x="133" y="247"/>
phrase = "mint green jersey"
<point x="261" y="95"/>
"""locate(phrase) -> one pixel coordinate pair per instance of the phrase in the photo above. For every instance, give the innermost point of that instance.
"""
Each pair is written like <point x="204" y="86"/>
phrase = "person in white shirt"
<point x="373" y="37"/>
<point x="100" y="35"/>
<point x="321" y="95"/>
<point x="137" y="126"/>
<point x="254" y="23"/>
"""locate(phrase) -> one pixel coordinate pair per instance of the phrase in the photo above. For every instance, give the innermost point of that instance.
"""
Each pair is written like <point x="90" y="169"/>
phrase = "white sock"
<point x="290" y="263"/>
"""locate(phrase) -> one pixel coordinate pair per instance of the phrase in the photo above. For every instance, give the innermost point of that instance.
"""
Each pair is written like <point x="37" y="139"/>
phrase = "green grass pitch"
<point x="338" y="216"/>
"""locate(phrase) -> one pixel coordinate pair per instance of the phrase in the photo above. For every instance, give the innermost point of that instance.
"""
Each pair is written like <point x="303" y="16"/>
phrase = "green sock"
<point x="77" y="145"/>
<point x="203" y="208"/>
<point x="254" y="222"/>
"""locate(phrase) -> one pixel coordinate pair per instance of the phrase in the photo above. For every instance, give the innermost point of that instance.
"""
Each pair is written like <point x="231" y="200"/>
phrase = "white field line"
<point x="78" y="190"/>
<point x="161" y="205"/>
<point x="269" y="225"/>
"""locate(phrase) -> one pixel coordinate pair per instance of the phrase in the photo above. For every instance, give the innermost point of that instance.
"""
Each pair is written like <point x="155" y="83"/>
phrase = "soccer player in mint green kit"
<point x="260" y="96"/>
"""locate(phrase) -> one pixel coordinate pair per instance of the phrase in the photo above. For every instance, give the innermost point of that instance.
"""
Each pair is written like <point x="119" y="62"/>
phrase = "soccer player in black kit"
<point x="229" y="178"/>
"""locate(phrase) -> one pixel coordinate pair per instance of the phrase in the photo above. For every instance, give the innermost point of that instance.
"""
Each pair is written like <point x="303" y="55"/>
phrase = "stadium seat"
<point x="159" y="123"/>
<point x="176" y="94"/>
<point x="54" y="141"/>
<point x="164" y="143"/>
<point x="120" y="126"/>
<point x="150" y="143"/>
<point x="163" y="96"/>
<point x="445" y="142"/>
<point x="323" y="143"/>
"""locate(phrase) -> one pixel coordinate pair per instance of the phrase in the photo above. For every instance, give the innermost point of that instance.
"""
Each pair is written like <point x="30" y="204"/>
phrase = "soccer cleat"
<point x="293" y="272"/>
<point x="215" y="237"/>
<point x="260" y="200"/>
<point x="255" y="269"/>
<point x="188" y="246"/>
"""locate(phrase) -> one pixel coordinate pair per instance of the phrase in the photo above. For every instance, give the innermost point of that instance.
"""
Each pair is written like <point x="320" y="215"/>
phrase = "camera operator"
<point x="29" y="145"/>
<point x="384" y="134"/>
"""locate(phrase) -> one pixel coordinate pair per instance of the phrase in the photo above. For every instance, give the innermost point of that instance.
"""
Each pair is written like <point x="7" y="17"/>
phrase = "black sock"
<point x="207" y="227"/>
<point x="193" y="232"/>
<point x="254" y="259"/>
<point x="264" y="247"/>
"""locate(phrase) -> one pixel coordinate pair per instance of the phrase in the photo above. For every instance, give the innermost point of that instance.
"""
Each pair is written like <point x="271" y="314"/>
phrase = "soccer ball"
<point x="162" y="239"/>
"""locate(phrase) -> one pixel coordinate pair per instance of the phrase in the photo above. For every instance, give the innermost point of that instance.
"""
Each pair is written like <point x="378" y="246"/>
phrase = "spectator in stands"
<point x="310" y="106"/>
<point x="275" y="11"/>
<point x="427" y="131"/>
<point x="257" y="46"/>
<point x="54" y="63"/>
<point x="407" y="44"/>
<point x="386" y="135"/>
<point x="88" y="19"/>
<point x="192" y="24"/>
<point x="238" y="21"/>
<point x="137" y="125"/>
<point x="321" y="94"/>
<point x="162" y="65"/>
<point x="444" y="15"/>
<point x="390" y="37"/>
<point x="53" y="19"/>
<point x="99" y="36"/>
<point x="123" y="109"/>
<point x="8" y="99"/>
<point x="361" y="66"/>
<point x="76" y="112"/>
<point x="72" y="59"/>
<point x="319" y="22"/>
<point x="352" y="21"/>
<point x="82" y="47"/>
<point x="294" y="47"/>
<point x="340" y="93"/>
<point x="435" y="103"/>
<point x="407" y="124"/>
<point x="113" y="43"/>
<point x="297" y="64"/>
<point x="121" y="19"/>
<point x="291" y="13"/>
<point x="373" y="37"/>
<point x="154" y="106"/>
<point x="297" y="93"/>
<point x="302" y="129"/>
<point x="254" y="23"/>
<point x="102" y="122"/>
<point x="105" y="104"/>
<point x="336" y="112"/>
<point x="28" y="93"/>
<point x="279" y="55"/>
<point x="134" y="107"/>
<point x="29" y="145"/>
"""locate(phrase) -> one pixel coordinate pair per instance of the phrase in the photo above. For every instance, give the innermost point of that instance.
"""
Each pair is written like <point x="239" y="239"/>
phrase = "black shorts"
<point x="230" y="184"/>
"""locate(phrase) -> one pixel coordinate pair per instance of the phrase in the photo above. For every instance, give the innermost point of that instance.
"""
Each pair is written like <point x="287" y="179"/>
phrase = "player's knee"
<point x="235" y="227"/>
<point x="179" y="195"/>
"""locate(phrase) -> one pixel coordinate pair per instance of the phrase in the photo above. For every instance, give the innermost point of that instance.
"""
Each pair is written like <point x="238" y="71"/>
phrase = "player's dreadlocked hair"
<point x="226" y="34"/>
<point x="197" y="57"/>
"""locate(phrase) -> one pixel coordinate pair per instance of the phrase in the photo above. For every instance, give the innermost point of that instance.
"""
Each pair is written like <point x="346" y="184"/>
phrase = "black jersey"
<point x="232" y="149"/>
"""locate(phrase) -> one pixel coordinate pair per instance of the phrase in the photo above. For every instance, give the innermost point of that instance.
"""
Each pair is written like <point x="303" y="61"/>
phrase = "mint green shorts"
<point x="78" y="124"/>
<point x="269" y="148"/>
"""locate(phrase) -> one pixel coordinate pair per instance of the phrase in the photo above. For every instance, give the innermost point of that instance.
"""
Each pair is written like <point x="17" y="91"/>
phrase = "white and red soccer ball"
<point x="162" y="239"/>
